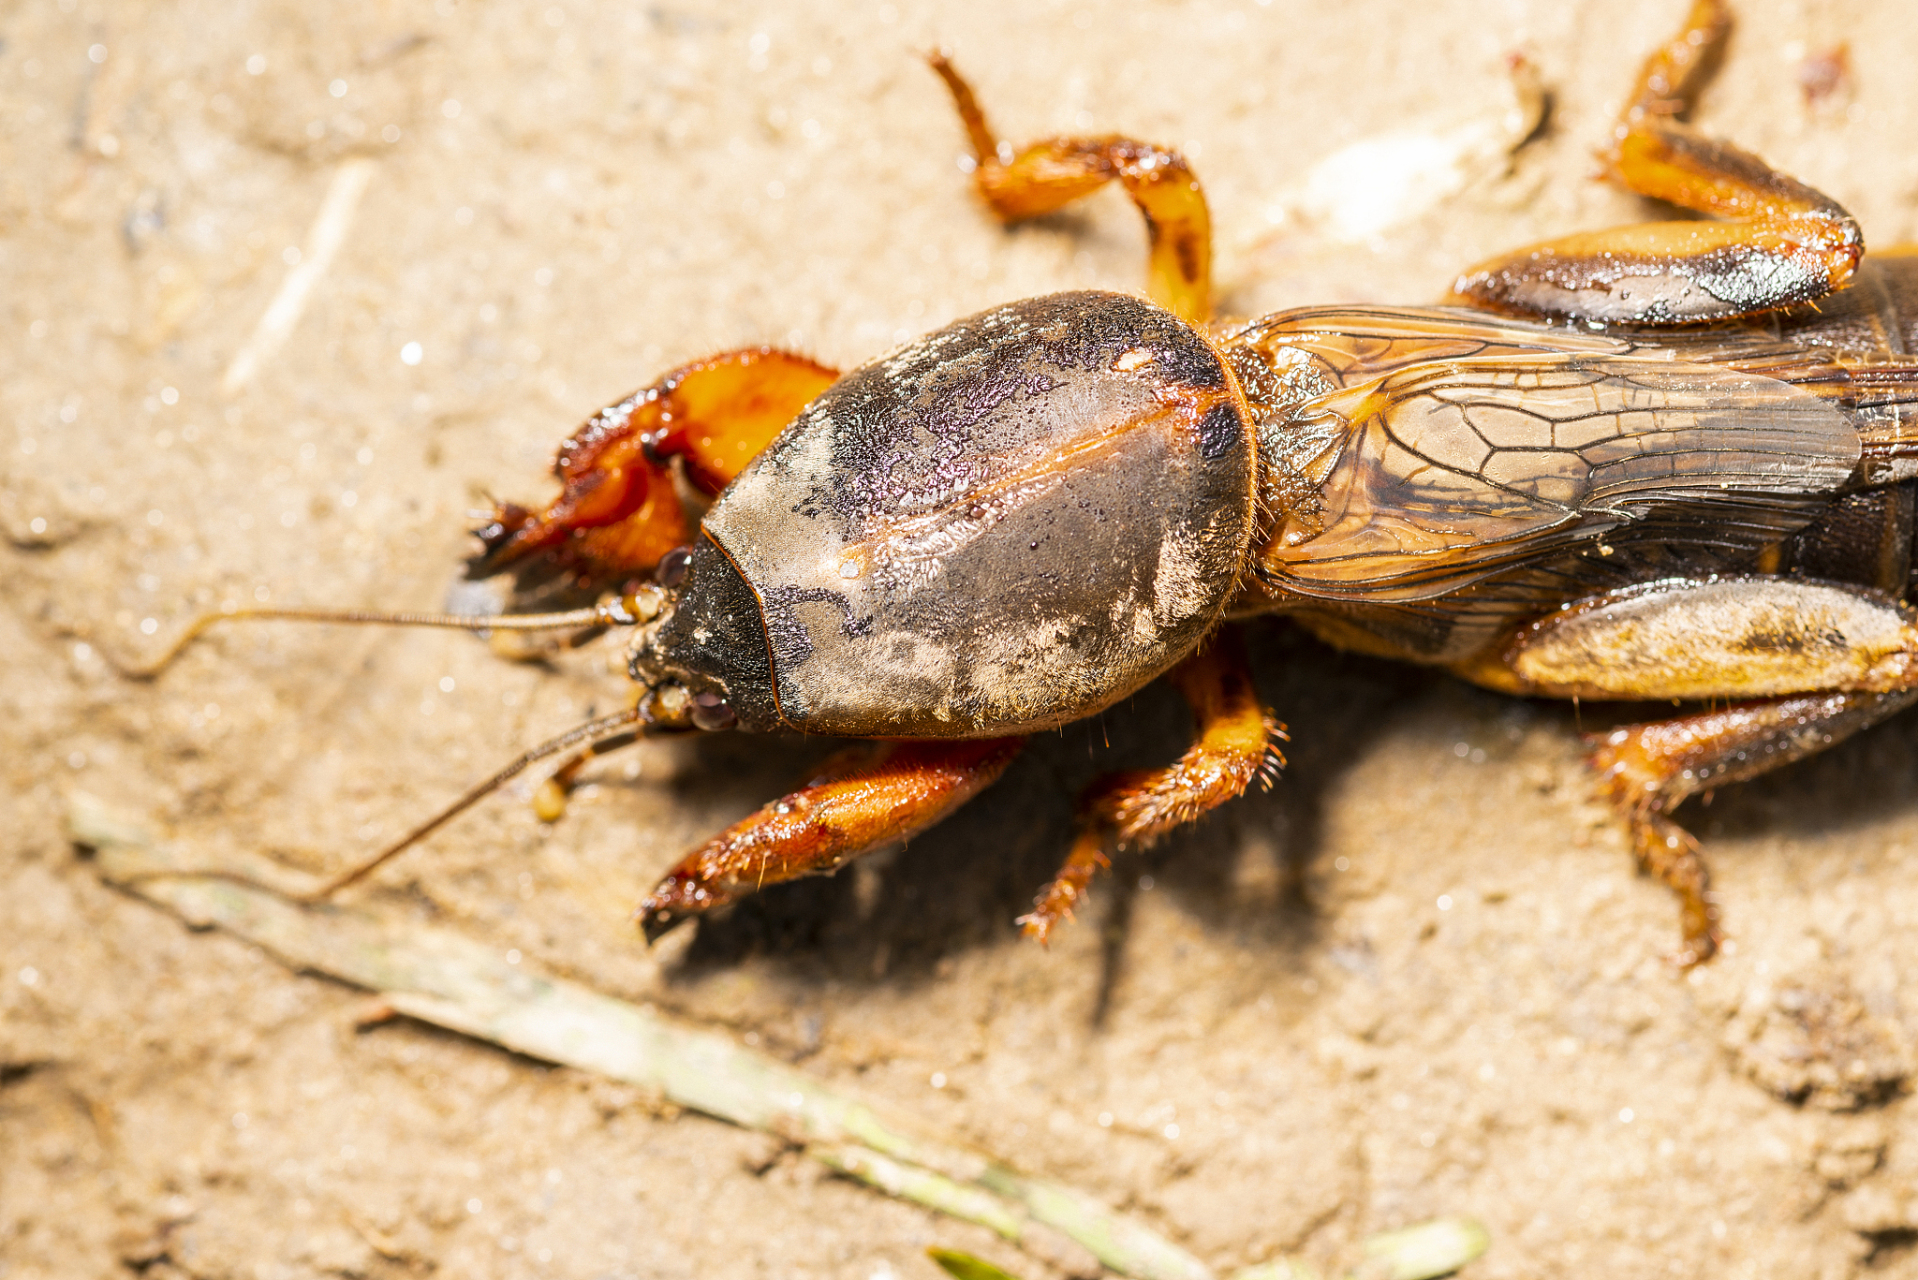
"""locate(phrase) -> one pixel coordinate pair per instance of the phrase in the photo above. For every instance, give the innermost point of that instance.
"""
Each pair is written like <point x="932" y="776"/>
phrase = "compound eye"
<point x="673" y="566"/>
<point x="711" y="711"/>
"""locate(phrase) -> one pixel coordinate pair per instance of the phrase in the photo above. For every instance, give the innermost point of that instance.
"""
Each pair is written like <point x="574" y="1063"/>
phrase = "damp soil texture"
<point x="1417" y="977"/>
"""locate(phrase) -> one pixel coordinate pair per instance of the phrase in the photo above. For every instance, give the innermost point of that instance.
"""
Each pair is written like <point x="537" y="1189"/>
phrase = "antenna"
<point x="635" y="607"/>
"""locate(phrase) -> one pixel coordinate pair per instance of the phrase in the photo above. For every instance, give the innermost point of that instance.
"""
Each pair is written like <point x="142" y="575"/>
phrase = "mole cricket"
<point x="1666" y="462"/>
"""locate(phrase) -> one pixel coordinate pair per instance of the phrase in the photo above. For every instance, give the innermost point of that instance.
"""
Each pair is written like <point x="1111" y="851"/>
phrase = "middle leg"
<point x="1049" y="175"/>
<point x="1234" y="746"/>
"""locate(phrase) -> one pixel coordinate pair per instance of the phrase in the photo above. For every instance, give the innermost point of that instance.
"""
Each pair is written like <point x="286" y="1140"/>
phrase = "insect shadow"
<point x="960" y="885"/>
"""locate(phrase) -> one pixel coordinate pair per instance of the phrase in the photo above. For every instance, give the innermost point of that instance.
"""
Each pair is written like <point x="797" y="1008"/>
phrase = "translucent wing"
<point x="1444" y="473"/>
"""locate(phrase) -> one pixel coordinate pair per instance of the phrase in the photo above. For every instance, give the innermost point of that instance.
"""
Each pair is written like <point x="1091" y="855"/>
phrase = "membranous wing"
<point x="1443" y="473"/>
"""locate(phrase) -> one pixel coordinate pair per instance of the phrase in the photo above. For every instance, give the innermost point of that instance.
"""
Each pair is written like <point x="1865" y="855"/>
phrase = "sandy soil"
<point x="1416" y="978"/>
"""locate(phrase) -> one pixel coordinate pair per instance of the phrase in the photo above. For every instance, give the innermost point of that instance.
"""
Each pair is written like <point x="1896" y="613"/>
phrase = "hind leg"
<point x="1811" y="662"/>
<point x="1646" y="770"/>
<point x="1778" y="243"/>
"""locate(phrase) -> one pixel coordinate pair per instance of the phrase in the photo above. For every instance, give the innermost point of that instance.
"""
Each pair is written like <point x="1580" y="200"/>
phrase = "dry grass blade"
<point x="963" y="1266"/>
<point x="442" y="977"/>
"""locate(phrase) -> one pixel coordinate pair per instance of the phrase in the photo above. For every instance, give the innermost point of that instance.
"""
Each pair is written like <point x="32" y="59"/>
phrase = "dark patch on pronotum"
<point x="1219" y="431"/>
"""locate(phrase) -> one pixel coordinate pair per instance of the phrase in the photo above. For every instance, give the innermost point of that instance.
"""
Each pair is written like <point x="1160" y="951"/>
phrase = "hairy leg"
<point x="862" y="799"/>
<point x="1778" y="243"/>
<point x="617" y="513"/>
<point x="1811" y="663"/>
<point x="1233" y="746"/>
<point x="1646" y="770"/>
<point x="1050" y="174"/>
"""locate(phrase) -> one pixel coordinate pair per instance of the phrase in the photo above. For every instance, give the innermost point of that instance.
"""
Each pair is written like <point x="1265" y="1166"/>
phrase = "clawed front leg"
<point x="862" y="799"/>
<point x="1781" y="243"/>
<point x="1233" y="747"/>
<point x="1052" y="173"/>
<point x="617" y="513"/>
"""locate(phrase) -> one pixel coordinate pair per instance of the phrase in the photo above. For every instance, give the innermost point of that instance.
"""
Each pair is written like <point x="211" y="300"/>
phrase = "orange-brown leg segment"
<point x="1781" y="242"/>
<point x="862" y="799"/>
<point x="617" y="514"/>
<point x="1051" y="174"/>
<point x="1233" y="747"/>
<point x="1646" y="770"/>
